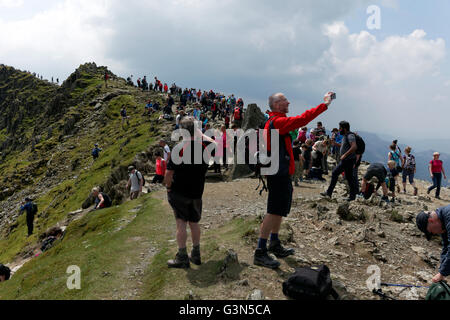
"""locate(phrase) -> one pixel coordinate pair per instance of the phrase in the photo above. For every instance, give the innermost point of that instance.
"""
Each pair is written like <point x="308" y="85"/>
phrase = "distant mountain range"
<point x="377" y="150"/>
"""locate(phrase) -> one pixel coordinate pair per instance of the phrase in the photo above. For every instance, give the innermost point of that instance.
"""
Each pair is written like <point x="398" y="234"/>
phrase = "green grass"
<point x="106" y="254"/>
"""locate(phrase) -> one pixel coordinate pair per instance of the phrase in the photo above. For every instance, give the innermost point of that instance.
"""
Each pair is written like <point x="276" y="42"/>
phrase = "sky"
<point x="393" y="80"/>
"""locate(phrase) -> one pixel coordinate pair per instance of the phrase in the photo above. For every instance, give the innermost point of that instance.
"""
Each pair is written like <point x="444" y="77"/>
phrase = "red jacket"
<point x="286" y="124"/>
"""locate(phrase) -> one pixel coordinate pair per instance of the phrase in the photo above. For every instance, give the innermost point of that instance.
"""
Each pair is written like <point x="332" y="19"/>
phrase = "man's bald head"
<point x="273" y="99"/>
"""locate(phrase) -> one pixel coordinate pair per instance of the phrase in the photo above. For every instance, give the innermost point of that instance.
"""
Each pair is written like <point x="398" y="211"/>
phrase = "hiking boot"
<point x="438" y="197"/>
<point x="428" y="191"/>
<point x="195" y="257"/>
<point x="180" y="262"/>
<point x="264" y="260"/>
<point x="279" y="251"/>
<point x="296" y="184"/>
<point x="326" y="195"/>
<point x="416" y="191"/>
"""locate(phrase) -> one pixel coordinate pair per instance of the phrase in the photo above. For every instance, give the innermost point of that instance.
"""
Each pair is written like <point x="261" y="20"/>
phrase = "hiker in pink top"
<point x="436" y="170"/>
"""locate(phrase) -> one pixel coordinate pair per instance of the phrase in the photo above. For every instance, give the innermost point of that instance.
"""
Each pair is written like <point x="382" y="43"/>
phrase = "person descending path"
<point x="135" y="182"/>
<point x="280" y="185"/>
<point x="160" y="169"/>
<point x="31" y="209"/>
<point x="409" y="170"/>
<point x="96" y="152"/>
<point x="123" y="113"/>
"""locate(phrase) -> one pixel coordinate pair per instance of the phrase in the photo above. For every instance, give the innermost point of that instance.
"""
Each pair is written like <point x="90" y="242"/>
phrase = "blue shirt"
<point x="27" y="206"/>
<point x="444" y="215"/>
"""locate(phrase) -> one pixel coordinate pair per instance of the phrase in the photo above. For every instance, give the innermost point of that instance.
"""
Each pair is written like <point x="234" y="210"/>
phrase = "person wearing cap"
<point x="436" y="170"/>
<point x="433" y="223"/>
<point x="28" y="207"/>
<point x="135" y="182"/>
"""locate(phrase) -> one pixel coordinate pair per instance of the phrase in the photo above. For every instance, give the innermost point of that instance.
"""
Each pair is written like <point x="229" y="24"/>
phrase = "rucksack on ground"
<point x="438" y="291"/>
<point x="310" y="284"/>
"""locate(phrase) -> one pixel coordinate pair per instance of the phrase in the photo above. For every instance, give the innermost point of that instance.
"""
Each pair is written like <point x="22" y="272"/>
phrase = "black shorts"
<point x="375" y="173"/>
<point x="280" y="195"/>
<point x="186" y="209"/>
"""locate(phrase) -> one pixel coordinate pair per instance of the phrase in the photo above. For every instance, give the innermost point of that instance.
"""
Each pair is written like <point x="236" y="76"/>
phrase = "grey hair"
<point x="95" y="190"/>
<point x="273" y="99"/>
<point x="188" y="124"/>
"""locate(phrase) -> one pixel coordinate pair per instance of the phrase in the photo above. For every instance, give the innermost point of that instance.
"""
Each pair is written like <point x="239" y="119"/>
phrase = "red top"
<point x="286" y="124"/>
<point x="160" y="167"/>
<point x="436" y="166"/>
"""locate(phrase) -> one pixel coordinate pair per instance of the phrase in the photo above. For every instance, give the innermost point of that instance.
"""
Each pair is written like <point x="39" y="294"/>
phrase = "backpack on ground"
<point x="310" y="284"/>
<point x="438" y="291"/>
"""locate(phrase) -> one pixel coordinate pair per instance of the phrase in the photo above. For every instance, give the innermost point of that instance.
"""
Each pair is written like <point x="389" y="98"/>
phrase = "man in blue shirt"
<point x="437" y="222"/>
<point x="31" y="211"/>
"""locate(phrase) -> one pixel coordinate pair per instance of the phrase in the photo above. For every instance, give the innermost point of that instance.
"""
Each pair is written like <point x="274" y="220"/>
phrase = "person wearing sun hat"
<point x="436" y="170"/>
<point x="433" y="223"/>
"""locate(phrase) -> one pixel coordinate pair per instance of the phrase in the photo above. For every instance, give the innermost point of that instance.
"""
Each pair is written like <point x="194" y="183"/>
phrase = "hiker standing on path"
<point x="185" y="184"/>
<point x="96" y="152"/>
<point x="280" y="185"/>
<point x="409" y="170"/>
<point x="436" y="170"/>
<point x="437" y="222"/>
<point x="136" y="182"/>
<point x="123" y="113"/>
<point x="166" y="148"/>
<point x="31" y="209"/>
<point x="397" y="157"/>
<point x="106" y="79"/>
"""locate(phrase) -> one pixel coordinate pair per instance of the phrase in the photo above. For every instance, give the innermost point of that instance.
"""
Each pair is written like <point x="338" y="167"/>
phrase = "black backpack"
<point x="361" y="145"/>
<point x="310" y="284"/>
<point x="108" y="201"/>
<point x="34" y="208"/>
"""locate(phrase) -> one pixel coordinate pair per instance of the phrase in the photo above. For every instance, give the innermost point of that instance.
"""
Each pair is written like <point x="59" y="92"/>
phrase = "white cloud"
<point x="390" y="83"/>
<point x="11" y="3"/>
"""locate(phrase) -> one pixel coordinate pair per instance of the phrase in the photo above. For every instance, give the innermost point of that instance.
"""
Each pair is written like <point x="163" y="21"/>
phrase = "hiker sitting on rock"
<point x="437" y="222"/>
<point x="376" y="171"/>
<point x="5" y="273"/>
<point x="102" y="200"/>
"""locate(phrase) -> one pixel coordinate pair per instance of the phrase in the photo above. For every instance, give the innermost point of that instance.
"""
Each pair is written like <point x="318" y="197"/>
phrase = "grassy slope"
<point x="70" y="193"/>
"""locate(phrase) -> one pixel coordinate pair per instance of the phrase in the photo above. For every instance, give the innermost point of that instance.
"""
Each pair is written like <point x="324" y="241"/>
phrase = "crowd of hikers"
<point x="304" y="154"/>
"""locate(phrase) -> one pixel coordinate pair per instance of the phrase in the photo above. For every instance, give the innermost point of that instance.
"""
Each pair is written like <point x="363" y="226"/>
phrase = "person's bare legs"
<point x="195" y="233"/>
<point x="181" y="233"/>
<point x="271" y="224"/>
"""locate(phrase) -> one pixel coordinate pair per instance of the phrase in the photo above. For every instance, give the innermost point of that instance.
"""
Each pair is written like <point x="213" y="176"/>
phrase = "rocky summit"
<point x="46" y="137"/>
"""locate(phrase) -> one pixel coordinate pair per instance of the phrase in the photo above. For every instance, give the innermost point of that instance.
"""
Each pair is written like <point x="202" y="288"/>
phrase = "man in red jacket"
<point x="280" y="184"/>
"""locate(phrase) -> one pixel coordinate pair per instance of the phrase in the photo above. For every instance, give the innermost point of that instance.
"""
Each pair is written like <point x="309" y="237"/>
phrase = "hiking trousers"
<point x="437" y="179"/>
<point x="347" y="167"/>
<point x="30" y="221"/>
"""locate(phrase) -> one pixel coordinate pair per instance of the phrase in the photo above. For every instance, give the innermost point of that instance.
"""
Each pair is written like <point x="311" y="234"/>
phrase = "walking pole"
<point x="402" y="285"/>
<point x="380" y="293"/>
